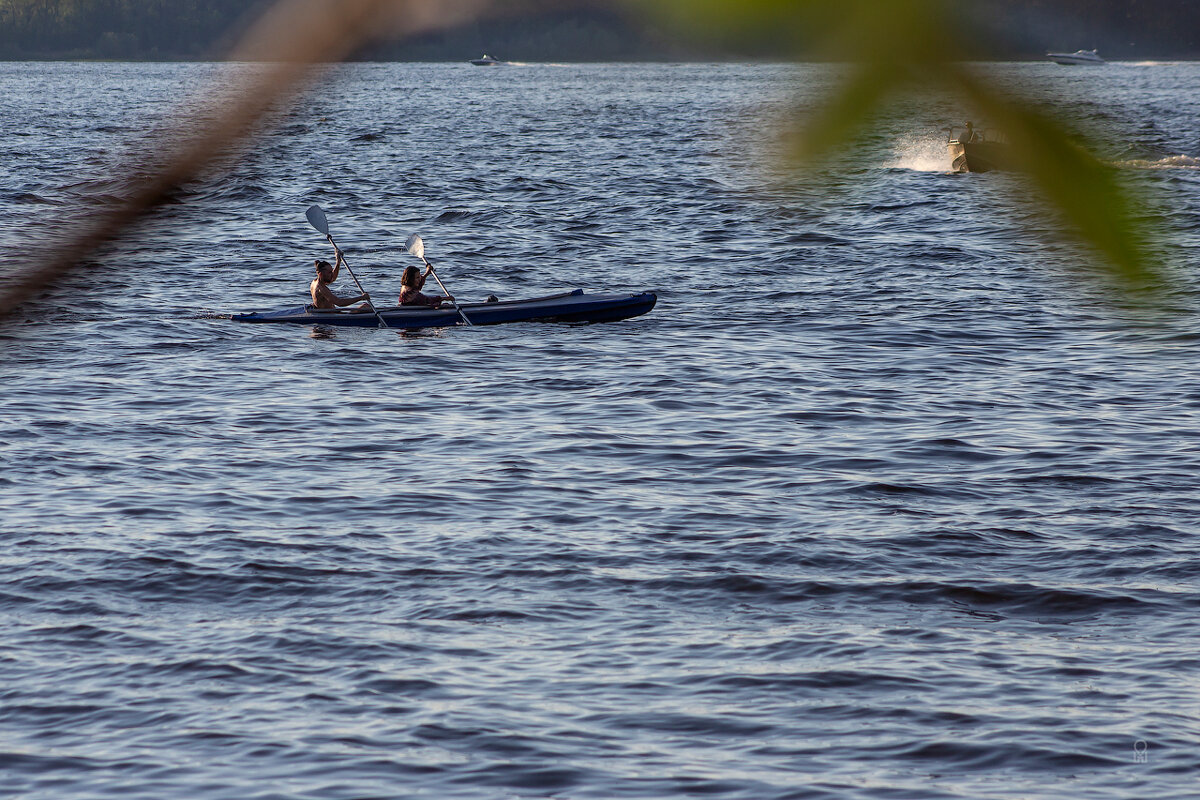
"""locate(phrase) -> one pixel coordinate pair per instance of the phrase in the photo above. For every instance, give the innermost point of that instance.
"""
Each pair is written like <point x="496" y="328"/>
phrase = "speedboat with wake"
<point x="977" y="149"/>
<point x="487" y="61"/>
<point x="1078" y="57"/>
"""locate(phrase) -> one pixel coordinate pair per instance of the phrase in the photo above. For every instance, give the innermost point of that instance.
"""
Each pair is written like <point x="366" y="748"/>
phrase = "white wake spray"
<point x="922" y="153"/>
<point x="1168" y="162"/>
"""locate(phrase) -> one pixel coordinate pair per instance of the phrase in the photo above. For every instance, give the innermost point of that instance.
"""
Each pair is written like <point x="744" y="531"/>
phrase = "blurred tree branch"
<point x="889" y="45"/>
<point x="290" y="41"/>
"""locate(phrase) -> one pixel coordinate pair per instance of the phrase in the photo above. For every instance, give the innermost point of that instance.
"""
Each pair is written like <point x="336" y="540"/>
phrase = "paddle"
<point x="415" y="246"/>
<point x="316" y="218"/>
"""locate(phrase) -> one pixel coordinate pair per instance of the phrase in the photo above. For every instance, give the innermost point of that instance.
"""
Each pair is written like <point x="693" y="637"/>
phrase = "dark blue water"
<point x="885" y="499"/>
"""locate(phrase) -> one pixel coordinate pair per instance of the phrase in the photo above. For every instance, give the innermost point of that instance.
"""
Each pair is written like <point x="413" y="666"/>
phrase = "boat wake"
<point x="920" y="153"/>
<point x="928" y="154"/>
<point x="1168" y="162"/>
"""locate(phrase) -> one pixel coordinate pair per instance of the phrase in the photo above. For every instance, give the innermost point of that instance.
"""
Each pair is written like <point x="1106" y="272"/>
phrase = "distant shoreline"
<point x="587" y="32"/>
<point x="81" y="59"/>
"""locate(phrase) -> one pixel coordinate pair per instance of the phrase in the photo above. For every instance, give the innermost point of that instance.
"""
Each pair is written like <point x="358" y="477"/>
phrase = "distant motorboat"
<point x="977" y="150"/>
<point x="487" y="61"/>
<point x="1078" y="57"/>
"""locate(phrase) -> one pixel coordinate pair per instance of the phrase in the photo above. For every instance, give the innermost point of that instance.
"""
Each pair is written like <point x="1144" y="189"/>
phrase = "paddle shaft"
<point x="432" y="272"/>
<point x="354" y="277"/>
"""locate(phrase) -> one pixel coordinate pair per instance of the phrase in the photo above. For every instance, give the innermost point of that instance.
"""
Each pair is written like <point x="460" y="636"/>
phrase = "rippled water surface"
<point x="883" y="500"/>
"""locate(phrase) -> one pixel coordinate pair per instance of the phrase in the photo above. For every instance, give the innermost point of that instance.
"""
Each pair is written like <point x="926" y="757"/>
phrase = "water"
<point x="881" y="501"/>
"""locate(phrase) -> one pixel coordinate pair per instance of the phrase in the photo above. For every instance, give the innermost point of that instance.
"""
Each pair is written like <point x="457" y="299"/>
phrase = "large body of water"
<point x="883" y="500"/>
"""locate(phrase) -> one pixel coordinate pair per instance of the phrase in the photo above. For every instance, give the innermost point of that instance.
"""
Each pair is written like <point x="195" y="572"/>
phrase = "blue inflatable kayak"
<point x="572" y="306"/>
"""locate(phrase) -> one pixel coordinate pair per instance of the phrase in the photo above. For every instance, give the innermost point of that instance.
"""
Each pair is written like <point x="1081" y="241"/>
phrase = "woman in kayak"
<point x="411" y="283"/>
<point x="323" y="296"/>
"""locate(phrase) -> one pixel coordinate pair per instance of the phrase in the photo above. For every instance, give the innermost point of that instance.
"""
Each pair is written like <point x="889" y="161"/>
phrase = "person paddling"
<point x="323" y="296"/>
<point x="411" y="283"/>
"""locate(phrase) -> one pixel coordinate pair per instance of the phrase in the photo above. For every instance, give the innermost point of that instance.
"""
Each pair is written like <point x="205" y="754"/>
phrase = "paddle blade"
<point x="415" y="246"/>
<point x="316" y="218"/>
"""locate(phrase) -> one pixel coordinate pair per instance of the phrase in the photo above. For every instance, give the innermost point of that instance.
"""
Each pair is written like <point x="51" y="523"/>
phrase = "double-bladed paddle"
<point x="316" y="218"/>
<point x="415" y="246"/>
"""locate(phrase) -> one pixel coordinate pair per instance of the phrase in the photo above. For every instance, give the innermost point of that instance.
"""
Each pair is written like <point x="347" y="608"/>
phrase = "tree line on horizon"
<point x="204" y="29"/>
<point x="1119" y="29"/>
<point x="119" y="29"/>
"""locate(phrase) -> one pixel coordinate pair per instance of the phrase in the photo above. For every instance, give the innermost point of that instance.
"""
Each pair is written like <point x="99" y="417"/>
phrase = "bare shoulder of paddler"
<point x="322" y="295"/>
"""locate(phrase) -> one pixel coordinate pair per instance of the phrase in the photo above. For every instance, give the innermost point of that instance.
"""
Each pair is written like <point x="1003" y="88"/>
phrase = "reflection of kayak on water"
<point x="487" y="61"/>
<point x="574" y="306"/>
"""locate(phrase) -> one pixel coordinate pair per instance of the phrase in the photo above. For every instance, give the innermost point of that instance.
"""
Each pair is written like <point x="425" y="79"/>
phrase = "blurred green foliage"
<point x="892" y="47"/>
<point x="889" y="47"/>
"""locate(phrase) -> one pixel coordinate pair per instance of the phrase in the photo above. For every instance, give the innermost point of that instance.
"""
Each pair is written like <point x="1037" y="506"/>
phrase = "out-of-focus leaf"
<point x="899" y="45"/>
<point x="723" y="19"/>
<point x="894" y="43"/>
<point x="1072" y="180"/>
<point x="845" y="112"/>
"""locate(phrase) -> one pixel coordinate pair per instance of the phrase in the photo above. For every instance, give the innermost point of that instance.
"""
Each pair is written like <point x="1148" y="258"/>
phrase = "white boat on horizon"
<point x="487" y="61"/>
<point x="1078" y="57"/>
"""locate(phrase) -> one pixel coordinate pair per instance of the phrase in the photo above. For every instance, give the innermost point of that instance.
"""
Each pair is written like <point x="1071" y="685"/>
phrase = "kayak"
<point x="573" y="306"/>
